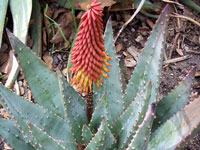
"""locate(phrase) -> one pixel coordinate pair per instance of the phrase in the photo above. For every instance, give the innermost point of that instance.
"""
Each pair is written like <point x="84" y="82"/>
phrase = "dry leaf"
<point x="119" y="47"/>
<point x="197" y="74"/>
<point x="105" y="3"/>
<point x="134" y="52"/>
<point x="130" y="62"/>
<point x="4" y="58"/>
<point x="66" y="24"/>
<point x="48" y="60"/>
<point x="6" y="67"/>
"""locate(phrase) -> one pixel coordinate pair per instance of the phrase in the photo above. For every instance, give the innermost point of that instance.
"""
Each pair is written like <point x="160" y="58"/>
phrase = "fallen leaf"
<point x="57" y="12"/>
<point x="197" y="74"/>
<point x="4" y="58"/>
<point x="134" y="52"/>
<point x="66" y="25"/>
<point x="104" y="3"/>
<point x="130" y="62"/>
<point x="120" y="6"/>
<point x="119" y="47"/>
<point x="48" y="60"/>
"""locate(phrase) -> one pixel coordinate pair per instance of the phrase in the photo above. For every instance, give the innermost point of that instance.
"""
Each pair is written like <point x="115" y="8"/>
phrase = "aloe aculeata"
<point x="134" y="120"/>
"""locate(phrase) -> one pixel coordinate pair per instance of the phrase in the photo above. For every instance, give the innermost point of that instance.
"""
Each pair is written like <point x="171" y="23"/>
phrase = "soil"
<point x="136" y="34"/>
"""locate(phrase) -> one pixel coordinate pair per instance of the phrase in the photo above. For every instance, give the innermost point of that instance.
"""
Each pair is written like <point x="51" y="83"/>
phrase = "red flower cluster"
<point x="89" y="57"/>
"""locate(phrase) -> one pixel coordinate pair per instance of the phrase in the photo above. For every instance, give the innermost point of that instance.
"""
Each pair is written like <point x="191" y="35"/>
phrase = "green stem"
<point x="57" y="25"/>
<point x="73" y="14"/>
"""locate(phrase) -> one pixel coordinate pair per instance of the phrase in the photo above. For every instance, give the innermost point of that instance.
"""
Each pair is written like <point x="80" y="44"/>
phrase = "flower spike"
<point x="89" y="56"/>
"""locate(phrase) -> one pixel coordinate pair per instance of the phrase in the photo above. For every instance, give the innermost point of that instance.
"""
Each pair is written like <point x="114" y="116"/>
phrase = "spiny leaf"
<point x="22" y="8"/>
<point x="13" y="136"/>
<point x="112" y="85"/>
<point x="174" y="101"/>
<point x="141" y="138"/>
<point x="177" y="128"/>
<point x="3" y="10"/>
<point x="102" y="140"/>
<point x="23" y="111"/>
<point x="100" y="112"/>
<point x="74" y="106"/>
<point x="150" y="62"/>
<point x="133" y="116"/>
<point x="43" y="82"/>
<point x="86" y="134"/>
<point x="44" y="140"/>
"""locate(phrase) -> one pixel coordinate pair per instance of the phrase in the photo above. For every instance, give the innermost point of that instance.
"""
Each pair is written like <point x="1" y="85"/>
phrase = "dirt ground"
<point x="183" y="40"/>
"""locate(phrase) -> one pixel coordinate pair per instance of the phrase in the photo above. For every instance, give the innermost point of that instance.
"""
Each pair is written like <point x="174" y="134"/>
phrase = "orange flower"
<point x="89" y="57"/>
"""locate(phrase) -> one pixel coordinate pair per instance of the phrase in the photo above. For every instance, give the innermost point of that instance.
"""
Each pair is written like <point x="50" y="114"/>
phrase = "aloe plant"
<point x="136" y="119"/>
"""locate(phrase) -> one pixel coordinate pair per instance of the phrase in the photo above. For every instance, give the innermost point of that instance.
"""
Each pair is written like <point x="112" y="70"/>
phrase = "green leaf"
<point x="102" y="140"/>
<point x="21" y="13"/>
<point x="175" y="130"/>
<point x="44" y="140"/>
<point x="86" y="134"/>
<point x="3" y="10"/>
<point x="175" y="100"/>
<point x="100" y="112"/>
<point x="112" y="86"/>
<point x="23" y="111"/>
<point x="13" y="136"/>
<point x="127" y="124"/>
<point x="74" y="106"/>
<point x="141" y="138"/>
<point x="150" y="62"/>
<point x="42" y="81"/>
<point x="191" y="5"/>
<point x="36" y="28"/>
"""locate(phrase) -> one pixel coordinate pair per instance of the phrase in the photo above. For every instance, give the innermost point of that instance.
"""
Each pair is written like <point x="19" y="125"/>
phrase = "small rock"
<point x="132" y="29"/>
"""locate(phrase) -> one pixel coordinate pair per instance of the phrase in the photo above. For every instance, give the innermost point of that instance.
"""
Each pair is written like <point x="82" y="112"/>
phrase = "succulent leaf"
<point x="74" y="106"/>
<point x="42" y="81"/>
<point x="23" y="111"/>
<point x="103" y="139"/>
<point x="86" y="134"/>
<point x="36" y="28"/>
<point x="175" y="100"/>
<point x="3" y="10"/>
<point x="44" y="140"/>
<point x="177" y="128"/>
<point x="13" y="136"/>
<point x="133" y="116"/>
<point x="100" y="112"/>
<point x="141" y="138"/>
<point x="112" y="86"/>
<point x="150" y="62"/>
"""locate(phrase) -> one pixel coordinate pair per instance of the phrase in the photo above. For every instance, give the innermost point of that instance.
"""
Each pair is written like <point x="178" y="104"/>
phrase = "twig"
<point x="174" y="45"/>
<point x="194" y="52"/>
<point x="132" y="17"/>
<point x="173" y="2"/>
<point x="176" y="59"/>
<point x="185" y="17"/>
